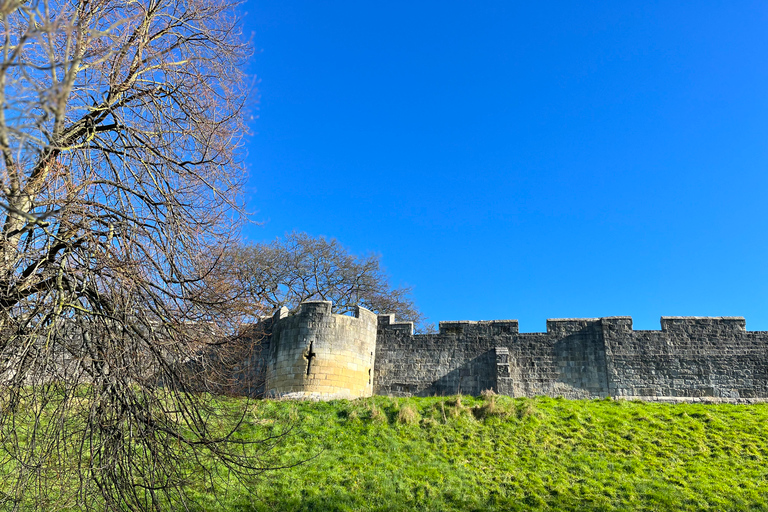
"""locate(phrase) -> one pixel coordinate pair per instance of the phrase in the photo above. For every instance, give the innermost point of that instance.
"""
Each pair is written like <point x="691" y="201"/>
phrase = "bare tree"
<point x="120" y="127"/>
<point x="301" y="267"/>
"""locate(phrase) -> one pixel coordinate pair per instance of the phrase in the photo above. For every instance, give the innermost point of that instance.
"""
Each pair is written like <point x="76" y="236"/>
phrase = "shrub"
<point x="526" y="408"/>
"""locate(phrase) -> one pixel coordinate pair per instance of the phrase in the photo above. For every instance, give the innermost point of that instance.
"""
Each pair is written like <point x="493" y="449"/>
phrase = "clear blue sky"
<point x="523" y="160"/>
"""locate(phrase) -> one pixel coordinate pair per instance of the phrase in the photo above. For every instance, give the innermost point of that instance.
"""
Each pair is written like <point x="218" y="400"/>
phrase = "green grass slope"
<point x="499" y="453"/>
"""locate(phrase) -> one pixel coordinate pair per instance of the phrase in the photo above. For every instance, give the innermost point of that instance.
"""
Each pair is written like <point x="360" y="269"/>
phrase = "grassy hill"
<point x="499" y="453"/>
<point x="485" y="453"/>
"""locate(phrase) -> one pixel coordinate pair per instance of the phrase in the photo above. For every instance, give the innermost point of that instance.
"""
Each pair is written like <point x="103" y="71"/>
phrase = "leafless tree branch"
<point x="301" y="267"/>
<point x="120" y="128"/>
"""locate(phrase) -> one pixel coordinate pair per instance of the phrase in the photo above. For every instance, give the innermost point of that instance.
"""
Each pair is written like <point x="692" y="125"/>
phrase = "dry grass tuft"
<point x="407" y="415"/>
<point x="487" y="393"/>
<point x="377" y="415"/>
<point x="457" y="409"/>
<point x="526" y="408"/>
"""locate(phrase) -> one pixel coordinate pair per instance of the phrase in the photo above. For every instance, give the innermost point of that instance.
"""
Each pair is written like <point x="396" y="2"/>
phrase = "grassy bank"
<point x="495" y="453"/>
<point x="498" y="453"/>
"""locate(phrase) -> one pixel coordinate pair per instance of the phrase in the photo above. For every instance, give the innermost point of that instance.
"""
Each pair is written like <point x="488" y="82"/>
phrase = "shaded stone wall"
<point x="456" y="360"/>
<point x="689" y="358"/>
<point x="237" y="367"/>
<point x="469" y="357"/>
<point x="317" y="354"/>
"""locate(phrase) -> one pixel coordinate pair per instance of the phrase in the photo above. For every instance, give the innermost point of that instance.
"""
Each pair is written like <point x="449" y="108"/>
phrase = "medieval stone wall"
<point x="470" y="357"/>
<point x="316" y="354"/>
<point x="435" y="364"/>
<point x="689" y="358"/>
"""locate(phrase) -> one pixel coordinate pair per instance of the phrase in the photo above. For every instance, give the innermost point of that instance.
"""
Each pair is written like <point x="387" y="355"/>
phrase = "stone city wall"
<point x="470" y="357"/>
<point x="317" y="354"/>
<point x="689" y="358"/>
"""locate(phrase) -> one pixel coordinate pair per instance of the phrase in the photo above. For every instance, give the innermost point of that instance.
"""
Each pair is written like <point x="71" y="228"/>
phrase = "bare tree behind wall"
<point x="301" y="267"/>
<point x="120" y="128"/>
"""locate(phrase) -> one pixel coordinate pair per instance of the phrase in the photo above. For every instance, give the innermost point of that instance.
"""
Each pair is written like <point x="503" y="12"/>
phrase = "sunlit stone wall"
<point x="316" y="354"/>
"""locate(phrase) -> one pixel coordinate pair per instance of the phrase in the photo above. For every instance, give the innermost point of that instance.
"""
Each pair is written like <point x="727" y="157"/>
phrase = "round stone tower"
<point x="320" y="355"/>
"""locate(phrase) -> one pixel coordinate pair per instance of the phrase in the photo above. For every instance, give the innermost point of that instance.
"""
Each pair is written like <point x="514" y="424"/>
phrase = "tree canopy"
<point x="300" y="267"/>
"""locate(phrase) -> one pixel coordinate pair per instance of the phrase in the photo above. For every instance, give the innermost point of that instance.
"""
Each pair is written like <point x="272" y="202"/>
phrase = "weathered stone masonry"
<point x="317" y="354"/>
<point x="690" y="358"/>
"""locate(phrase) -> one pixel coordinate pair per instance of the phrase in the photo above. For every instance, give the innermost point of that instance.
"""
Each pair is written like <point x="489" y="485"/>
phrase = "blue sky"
<point x="523" y="160"/>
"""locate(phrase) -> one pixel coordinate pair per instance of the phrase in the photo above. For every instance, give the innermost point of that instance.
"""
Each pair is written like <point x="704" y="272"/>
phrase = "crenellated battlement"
<point x="706" y="324"/>
<point x="318" y="354"/>
<point x="566" y="326"/>
<point x="387" y="322"/>
<point x="479" y="328"/>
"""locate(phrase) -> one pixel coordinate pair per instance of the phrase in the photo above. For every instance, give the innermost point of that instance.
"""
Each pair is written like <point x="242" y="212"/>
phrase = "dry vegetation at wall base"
<point x="499" y="453"/>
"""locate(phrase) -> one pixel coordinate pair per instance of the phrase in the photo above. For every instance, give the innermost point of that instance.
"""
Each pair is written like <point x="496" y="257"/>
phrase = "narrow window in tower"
<point x="309" y="355"/>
